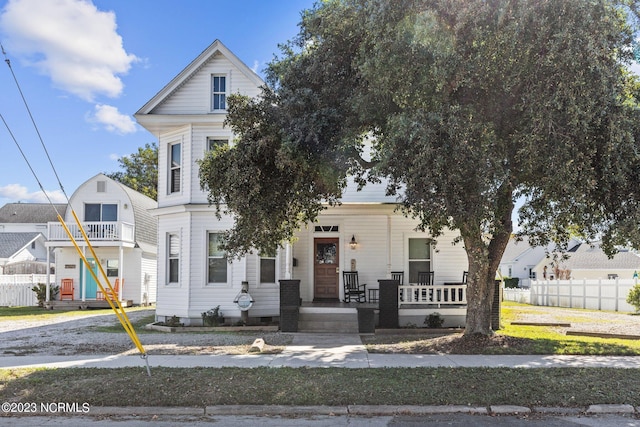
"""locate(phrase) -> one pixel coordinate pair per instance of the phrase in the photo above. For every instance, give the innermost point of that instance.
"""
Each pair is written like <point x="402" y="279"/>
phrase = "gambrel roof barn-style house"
<point x="363" y="234"/>
<point x="123" y="233"/>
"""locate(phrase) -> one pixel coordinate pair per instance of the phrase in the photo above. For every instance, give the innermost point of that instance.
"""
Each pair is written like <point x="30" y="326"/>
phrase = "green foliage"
<point x="41" y="293"/>
<point x="511" y="282"/>
<point x="469" y="107"/>
<point x="434" y="320"/>
<point x="212" y="317"/>
<point x="634" y="297"/>
<point x="140" y="171"/>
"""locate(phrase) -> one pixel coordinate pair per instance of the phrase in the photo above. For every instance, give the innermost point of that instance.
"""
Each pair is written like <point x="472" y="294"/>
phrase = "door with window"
<point x="326" y="272"/>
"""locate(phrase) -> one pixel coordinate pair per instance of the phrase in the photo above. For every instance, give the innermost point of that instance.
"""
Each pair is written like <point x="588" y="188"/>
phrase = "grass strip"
<point x="558" y="387"/>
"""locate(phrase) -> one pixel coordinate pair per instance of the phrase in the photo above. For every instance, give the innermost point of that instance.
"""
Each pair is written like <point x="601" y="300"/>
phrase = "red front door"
<point x="326" y="272"/>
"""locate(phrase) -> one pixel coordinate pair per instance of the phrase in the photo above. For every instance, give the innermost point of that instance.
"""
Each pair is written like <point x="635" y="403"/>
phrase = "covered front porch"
<point x="397" y="307"/>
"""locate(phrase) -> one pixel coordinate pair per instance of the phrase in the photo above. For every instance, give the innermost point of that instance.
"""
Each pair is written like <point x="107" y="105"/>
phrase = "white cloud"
<point x="20" y="193"/>
<point x="71" y="41"/>
<point x="112" y="119"/>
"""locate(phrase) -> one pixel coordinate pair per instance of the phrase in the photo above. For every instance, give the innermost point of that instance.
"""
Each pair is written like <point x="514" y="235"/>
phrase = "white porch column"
<point x="84" y="275"/>
<point x="288" y="261"/>
<point x="120" y="269"/>
<point x="46" y="298"/>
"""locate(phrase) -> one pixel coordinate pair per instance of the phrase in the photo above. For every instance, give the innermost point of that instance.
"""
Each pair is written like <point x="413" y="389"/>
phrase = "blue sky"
<point x="86" y="66"/>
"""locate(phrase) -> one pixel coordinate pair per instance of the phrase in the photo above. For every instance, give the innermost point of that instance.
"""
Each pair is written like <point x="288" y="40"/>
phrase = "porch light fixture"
<point x="353" y="242"/>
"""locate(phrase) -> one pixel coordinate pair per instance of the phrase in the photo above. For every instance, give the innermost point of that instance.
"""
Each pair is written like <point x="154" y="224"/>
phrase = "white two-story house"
<point x="364" y="234"/>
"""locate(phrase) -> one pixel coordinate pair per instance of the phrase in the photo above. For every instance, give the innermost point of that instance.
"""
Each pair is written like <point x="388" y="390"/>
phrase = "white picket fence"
<point x="599" y="294"/>
<point x="16" y="289"/>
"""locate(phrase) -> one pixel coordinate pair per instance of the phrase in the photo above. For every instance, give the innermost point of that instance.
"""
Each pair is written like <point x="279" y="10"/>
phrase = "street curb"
<point x="354" y="410"/>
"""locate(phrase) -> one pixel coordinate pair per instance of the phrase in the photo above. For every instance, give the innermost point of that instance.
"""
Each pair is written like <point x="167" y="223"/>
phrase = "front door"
<point x="326" y="272"/>
<point x="87" y="279"/>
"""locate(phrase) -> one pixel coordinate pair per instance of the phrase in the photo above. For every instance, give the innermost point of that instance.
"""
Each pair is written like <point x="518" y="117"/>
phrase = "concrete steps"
<point x="328" y="319"/>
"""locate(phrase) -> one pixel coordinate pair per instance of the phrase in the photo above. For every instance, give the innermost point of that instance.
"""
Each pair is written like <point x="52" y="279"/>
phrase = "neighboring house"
<point x="365" y="233"/>
<point x="123" y="234"/>
<point x="22" y="230"/>
<point x="23" y="253"/>
<point x="588" y="261"/>
<point x="522" y="260"/>
<point x="29" y="217"/>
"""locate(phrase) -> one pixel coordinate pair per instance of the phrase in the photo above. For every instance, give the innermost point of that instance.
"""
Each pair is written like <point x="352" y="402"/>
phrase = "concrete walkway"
<point x="320" y="351"/>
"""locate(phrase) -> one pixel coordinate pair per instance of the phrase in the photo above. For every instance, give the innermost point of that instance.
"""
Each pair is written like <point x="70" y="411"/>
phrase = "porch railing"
<point x="96" y="231"/>
<point x="434" y="294"/>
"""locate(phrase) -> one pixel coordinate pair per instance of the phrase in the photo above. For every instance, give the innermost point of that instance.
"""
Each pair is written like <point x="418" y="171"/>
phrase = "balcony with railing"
<point x="97" y="231"/>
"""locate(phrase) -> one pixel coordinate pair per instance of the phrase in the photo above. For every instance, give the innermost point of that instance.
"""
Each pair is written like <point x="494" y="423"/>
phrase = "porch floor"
<point x="338" y="304"/>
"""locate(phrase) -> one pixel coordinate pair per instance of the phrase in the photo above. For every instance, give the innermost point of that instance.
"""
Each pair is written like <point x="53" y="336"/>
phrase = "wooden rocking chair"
<point x="66" y="289"/>
<point x="352" y="287"/>
<point x="108" y="294"/>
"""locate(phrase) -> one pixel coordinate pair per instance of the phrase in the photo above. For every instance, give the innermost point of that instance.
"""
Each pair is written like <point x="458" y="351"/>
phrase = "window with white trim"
<point x="100" y="212"/>
<point x="217" y="260"/>
<point x="212" y="143"/>
<point x="419" y="257"/>
<point x="173" y="257"/>
<point x="267" y="268"/>
<point x="218" y="93"/>
<point x="175" y="167"/>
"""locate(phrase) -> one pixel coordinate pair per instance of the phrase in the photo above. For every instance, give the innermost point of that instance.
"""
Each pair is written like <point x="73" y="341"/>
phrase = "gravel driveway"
<point x="80" y="335"/>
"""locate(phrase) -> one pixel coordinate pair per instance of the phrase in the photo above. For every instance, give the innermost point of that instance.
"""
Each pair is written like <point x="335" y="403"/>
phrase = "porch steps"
<point x="328" y="319"/>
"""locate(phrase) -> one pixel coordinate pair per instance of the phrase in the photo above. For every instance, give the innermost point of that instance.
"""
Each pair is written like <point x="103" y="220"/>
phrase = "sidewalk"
<point x="321" y="351"/>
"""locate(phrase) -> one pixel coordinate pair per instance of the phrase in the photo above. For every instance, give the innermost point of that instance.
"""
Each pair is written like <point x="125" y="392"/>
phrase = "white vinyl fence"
<point x="608" y="295"/>
<point x="15" y="289"/>
<point x="522" y="296"/>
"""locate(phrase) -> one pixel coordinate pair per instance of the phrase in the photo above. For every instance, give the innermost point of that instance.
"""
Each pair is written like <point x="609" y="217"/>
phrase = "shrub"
<point x="634" y="297"/>
<point x="41" y="293"/>
<point x="173" y="322"/>
<point x="434" y="320"/>
<point x="212" y="317"/>
<point x="511" y="282"/>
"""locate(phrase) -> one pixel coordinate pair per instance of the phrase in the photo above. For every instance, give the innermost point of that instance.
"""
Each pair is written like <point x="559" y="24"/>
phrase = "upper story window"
<point x="419" y="257"/>
<point x="100" y="212"/>
<point x="218" y="93"/>
<point x="175" y="167"/>
<point x="216" y="142"/>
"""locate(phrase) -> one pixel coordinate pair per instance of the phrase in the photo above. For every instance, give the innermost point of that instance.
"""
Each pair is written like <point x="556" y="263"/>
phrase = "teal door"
<point x="92" y="286"/>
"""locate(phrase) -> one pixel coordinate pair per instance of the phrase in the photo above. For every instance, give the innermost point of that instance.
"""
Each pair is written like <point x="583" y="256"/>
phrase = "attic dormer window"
<point x="218" y="93"/>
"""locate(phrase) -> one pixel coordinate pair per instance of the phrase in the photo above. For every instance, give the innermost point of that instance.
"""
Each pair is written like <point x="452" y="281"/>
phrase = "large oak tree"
<point x="471" y="106"/>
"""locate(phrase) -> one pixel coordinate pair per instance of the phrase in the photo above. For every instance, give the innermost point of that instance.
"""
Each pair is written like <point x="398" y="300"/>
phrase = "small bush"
<point x="173" y="322"/>
<point x="511" y="282"/>
<point x="434" y="320"/>
<point x="634" y="297"/>
<point x="212" y="317"/>
<point x="41" y="293"/>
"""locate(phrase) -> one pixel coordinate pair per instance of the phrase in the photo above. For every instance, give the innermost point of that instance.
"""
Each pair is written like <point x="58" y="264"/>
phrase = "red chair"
<point x="113" y="296"/>
<point x="66" y="289"/>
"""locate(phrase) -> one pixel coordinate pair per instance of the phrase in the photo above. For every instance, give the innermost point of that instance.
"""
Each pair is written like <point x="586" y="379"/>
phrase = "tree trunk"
<point x="484" y="260"/>
<point x="479" y="289"/>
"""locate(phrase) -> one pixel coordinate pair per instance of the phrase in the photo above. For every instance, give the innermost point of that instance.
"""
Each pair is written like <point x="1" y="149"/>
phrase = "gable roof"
<point x="10" y="243"/>
<point x="187" y="73"/>
<point x="591" y="256"/>
<point x="31" y="213"/>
